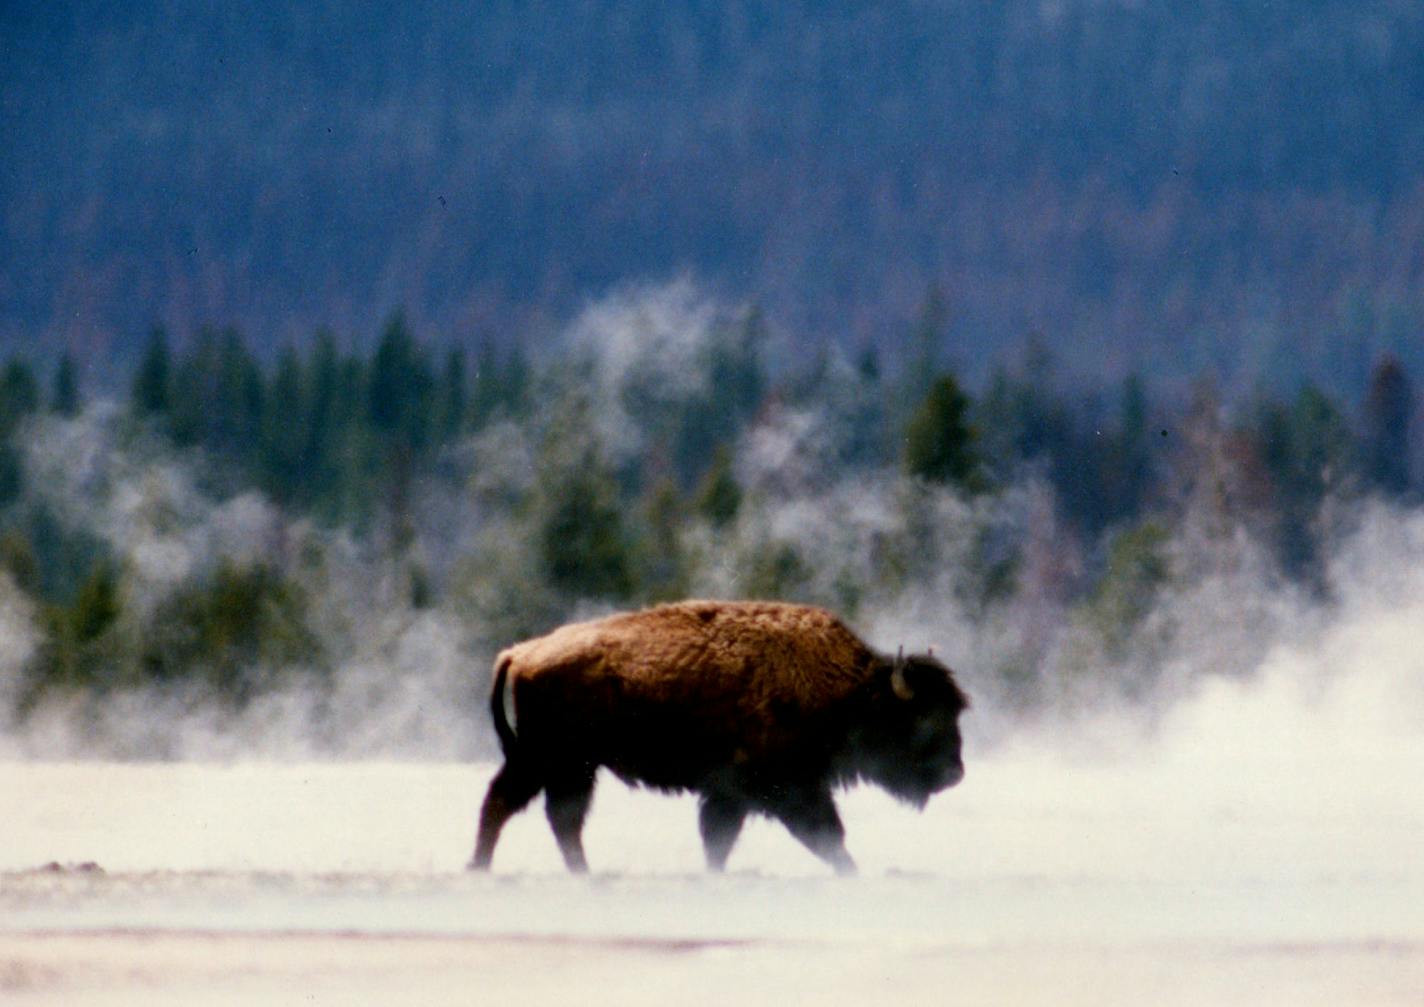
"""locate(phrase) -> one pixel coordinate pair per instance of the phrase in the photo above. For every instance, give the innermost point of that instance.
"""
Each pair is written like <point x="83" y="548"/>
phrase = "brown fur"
<point x="757" y="706"/>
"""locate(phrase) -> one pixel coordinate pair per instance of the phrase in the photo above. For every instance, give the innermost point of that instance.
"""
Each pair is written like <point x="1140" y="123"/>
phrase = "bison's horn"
<point x="898" y="684"/>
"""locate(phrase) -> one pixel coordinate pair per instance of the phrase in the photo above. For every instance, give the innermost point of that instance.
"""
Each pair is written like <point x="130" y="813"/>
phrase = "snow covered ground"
<point x="1263" y="844"/>
<point x="1162" y="877"/>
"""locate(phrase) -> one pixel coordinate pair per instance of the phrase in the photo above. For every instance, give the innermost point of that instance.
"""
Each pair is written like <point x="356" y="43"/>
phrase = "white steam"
<point x="18" y="638"/>
<point x="401" y="681"/>
<point x="639" y="350"/>
<point x="993" y="583"/>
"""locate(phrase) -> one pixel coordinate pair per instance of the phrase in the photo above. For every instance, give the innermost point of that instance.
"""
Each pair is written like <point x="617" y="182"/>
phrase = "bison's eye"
<point x="924" y="733"/>
<point x="935" y="737"/>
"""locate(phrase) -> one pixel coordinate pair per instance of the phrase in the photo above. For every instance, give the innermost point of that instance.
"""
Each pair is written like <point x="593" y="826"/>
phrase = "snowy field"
<point x="1206" y="867"/>
<point x="1263" y="844"/>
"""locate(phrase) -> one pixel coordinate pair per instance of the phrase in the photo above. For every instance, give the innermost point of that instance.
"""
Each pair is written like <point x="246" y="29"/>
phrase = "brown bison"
<point x="757" y="707"/>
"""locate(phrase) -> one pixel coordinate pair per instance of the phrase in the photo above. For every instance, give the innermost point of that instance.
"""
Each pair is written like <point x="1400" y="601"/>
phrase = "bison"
<point x="757" y="707"/>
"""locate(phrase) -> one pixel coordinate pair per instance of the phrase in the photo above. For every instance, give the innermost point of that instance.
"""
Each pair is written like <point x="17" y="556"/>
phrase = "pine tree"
<point x="237" y="631"/>
<point x="1138" y="566"/>
<point x="582" y="543"/>
<point x="719" y="497"/>
<point x="488" y="383"/>
<point x="152" y="386"/>
<point x="867" y="364"/>
<point x="65" y="399"/>
<point x="19" y="397"/>
<point x="580" y="537"/>
<point x="926" y="345"/>
<point x="1119" y="464"/>
<point x="326" y="429"/>
<point x="18" y="559"/>
<point x="1309" y="451"/>
<point x="400" y="400"/>
<point x="19" y="394"/>
<point x="515" y="381"/>
<point x="736" y="372"/>
<point x="1389" y="408"/>
<point x="12" y="474"/>
<point x="662" y="566"/>
<point x="402" y="388"/>
<point x="940" y="444"/>
<point x="79" y="650"/>
<point x="240" y="393"/>
<point x="736" y="384"/>
<point x="454" y="395"/>
<point x="285" y="422"/>
<point x="190" y="391"/>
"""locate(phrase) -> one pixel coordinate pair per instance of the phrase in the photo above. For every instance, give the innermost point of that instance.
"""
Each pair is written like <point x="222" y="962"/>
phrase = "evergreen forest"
<point x="337" y="521"/>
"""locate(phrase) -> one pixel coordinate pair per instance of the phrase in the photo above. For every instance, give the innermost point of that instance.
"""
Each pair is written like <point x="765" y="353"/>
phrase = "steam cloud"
<point x="1227" y="651"/>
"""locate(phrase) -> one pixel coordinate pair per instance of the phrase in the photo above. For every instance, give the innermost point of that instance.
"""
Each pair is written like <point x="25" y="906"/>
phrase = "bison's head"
<point x="908" y="740"/>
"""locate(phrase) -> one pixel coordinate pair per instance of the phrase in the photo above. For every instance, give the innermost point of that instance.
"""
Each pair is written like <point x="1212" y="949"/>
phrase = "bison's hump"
<point x="772" y="652"/>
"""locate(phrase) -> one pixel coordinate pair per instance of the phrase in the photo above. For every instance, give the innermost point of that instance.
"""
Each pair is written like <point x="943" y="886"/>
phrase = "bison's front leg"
<point x="811" y="816"/>
<point x="720" y="819"/>
<point x="566" y="801"/>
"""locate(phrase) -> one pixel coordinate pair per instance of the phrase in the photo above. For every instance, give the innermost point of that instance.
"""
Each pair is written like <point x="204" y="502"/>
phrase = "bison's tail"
<point x="501" y="722"/>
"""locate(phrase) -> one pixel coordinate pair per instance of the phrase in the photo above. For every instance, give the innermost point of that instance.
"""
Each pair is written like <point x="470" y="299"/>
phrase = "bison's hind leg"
<point x="567" y="796"/>
<point x="720" y="819"/>
<point x="512" y="788"/>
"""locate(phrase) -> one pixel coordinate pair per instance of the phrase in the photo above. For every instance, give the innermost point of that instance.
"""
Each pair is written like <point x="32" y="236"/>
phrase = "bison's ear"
<point x="898" y="683"/>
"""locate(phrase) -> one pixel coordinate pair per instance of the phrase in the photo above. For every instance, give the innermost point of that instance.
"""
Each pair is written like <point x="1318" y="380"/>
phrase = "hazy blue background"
<point x="1218" y="187"/>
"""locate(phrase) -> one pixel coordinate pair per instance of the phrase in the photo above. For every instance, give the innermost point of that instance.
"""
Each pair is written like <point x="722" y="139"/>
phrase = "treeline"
<point x="328" y="433"/>
<point x="545" y="508"/>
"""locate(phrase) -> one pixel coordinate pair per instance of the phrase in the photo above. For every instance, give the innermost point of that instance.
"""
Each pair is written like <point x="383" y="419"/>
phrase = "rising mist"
<point x="1048" y="623"/>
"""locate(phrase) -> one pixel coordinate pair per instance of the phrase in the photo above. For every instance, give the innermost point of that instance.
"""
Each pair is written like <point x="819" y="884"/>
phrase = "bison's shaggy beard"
<point x="896" y="776"/>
